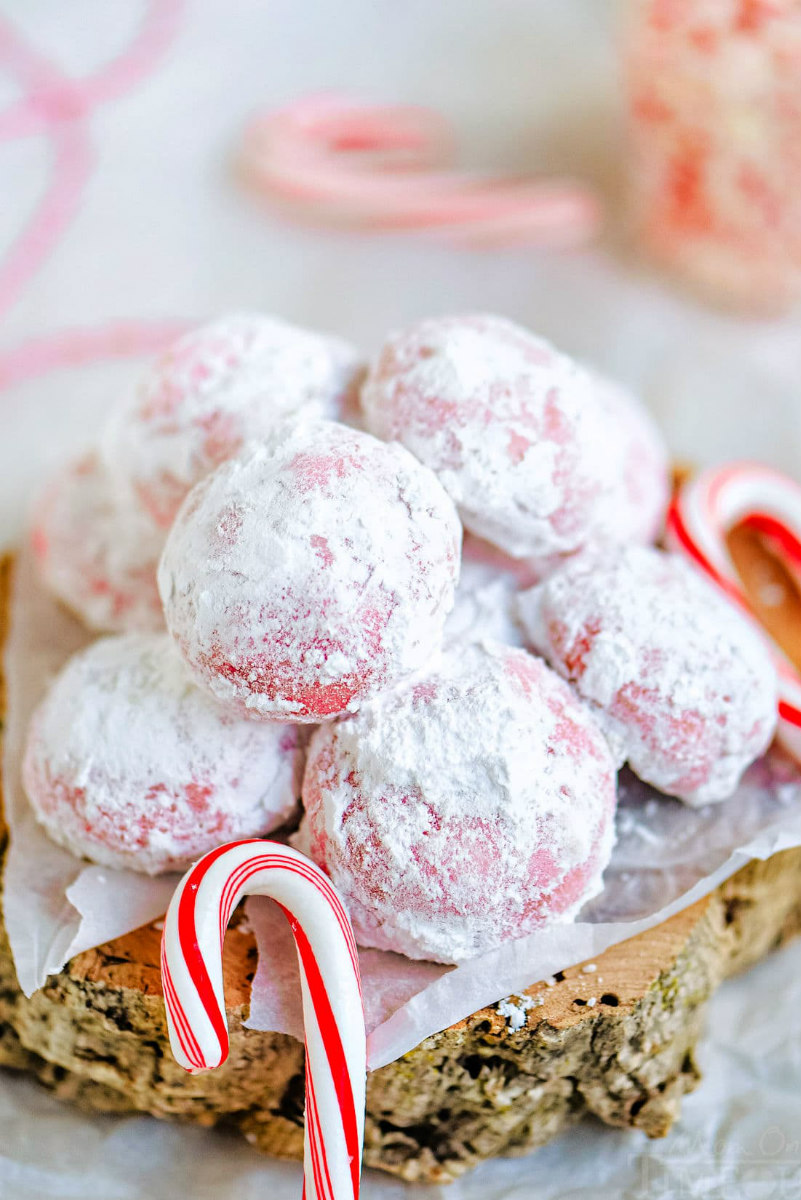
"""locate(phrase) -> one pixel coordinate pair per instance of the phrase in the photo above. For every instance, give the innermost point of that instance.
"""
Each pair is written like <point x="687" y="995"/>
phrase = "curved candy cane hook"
<point x="704" y="511"/>
<point x="191" y="963"/>
<point x="387" y="167"/>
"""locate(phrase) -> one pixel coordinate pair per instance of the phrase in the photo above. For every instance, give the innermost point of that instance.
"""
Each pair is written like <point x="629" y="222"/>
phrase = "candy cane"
<point x="191" y="967"/>
<point x="383" y="167"/>
<point x="705" y="510"/>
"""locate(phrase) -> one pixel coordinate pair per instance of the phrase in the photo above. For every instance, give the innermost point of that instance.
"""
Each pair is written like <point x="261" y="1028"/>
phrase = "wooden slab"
<point x="614" y="1038"/>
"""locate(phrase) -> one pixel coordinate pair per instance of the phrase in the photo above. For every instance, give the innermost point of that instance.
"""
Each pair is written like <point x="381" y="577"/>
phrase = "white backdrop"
<point x="129" y="213"/>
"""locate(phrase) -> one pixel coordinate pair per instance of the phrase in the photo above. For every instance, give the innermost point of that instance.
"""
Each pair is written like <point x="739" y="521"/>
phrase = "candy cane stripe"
<point x="187" y="1041"/>
<point x="308" y="869"/>
<point x="776" y="531"/>
<point x="705" y="511"/>
<point x="323" y="1174"/>
<point x="192" y="945"/>
<point x="313" y="1135"/>
<point x="334" y="1049"/>
<point x="192" y="950"/>
<point x="301" y="868"/>
<point x="336" y="1057"/>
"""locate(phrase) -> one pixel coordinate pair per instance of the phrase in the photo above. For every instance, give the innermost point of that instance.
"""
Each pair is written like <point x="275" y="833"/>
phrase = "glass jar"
<point x="714" y="114"/>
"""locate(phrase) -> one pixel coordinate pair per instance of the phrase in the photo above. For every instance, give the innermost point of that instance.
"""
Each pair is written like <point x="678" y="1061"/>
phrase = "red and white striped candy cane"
<point x="387" y="166"/>
<point x="705" y="510"/>
<point x="191" y="966"/>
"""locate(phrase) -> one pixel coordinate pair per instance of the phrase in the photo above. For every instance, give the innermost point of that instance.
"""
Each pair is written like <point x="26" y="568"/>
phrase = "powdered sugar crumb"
<point x="516" y="1008"/>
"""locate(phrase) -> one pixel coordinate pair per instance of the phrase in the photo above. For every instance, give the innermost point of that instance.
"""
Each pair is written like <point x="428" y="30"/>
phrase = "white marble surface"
<point x="161" y="231"/>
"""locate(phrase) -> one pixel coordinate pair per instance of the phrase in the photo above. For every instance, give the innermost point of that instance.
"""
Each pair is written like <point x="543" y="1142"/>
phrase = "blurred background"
<point x="125" y="217"/>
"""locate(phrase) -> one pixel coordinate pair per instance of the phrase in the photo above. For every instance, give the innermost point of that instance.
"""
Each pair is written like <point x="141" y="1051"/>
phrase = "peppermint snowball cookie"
<point x="516" y="432"/>
<point x="130" y="765"/>
<point x="684" y="687"/>
<point x="464" y="808"/>
<point x="637" y="503"/>
<point x="311" y="573"/>
<point x="96" y="551"/>
<point x="215" y="389"/>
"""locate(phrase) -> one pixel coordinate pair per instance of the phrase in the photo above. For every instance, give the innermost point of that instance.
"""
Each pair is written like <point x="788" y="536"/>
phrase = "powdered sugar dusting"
<point x="634" y="508"/>
<point x="131" y="765"/>
<point x="213" y="390"/>
<point x="469" y="805"/>
<point x="685" y="688"/>
<point x="485" y="606"/>
<point x="97" y="553"/>
<point x="310" y="573"/>
<point x="516" y="1009"/>
<point x="515" y="430"/>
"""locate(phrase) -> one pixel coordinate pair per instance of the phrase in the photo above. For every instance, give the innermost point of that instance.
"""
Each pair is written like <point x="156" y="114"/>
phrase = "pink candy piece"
<point x="540" y="458"/>
<point x="335" y="1042"/>
<point x="714" y="99"/>
<point x="213" y="390"/>
<point x="311" y="573"/>
<point x="96" y="551"/>
<point x="341" y="161"/>
<point x="466" y="807"/>
<point x="705" y="510"/>
<point x="129" y="764"/>
<point x="682" y="684"/>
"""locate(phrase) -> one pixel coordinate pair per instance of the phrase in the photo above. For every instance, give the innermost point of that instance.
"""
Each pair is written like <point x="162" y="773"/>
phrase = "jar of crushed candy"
<point x="714" y="113"/>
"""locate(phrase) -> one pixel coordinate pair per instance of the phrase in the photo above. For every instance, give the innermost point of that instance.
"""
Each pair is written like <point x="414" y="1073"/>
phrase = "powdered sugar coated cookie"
<point x="634" y="508"/>
<point x="465" y="807"/>
<point x="96" y="552"/>
<point x="311" y="573"/>
<point x="685" y="688"/>
<point x="129" y="764"/>
<point x="515" y="430"/>
<point x="212" y="391"/>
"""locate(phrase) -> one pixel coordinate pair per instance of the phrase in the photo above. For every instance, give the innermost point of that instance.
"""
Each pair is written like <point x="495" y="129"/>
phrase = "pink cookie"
<point x="130" y="765"/>
<point x="518" y="434"/>
<point x="634" y="509"/>
<point x="464" y="808"/>
<point x="684" y="687"/>
<point x="215" y="389"/>
<point x="311" y="573"/>
<point x="97" y="552"/>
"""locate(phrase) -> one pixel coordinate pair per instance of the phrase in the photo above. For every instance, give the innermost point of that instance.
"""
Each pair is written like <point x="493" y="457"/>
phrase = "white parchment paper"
<point x="667" y="856"/>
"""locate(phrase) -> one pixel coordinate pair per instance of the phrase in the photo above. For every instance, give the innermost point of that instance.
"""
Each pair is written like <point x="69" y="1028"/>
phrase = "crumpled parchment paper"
<point x="667" y="856"/>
